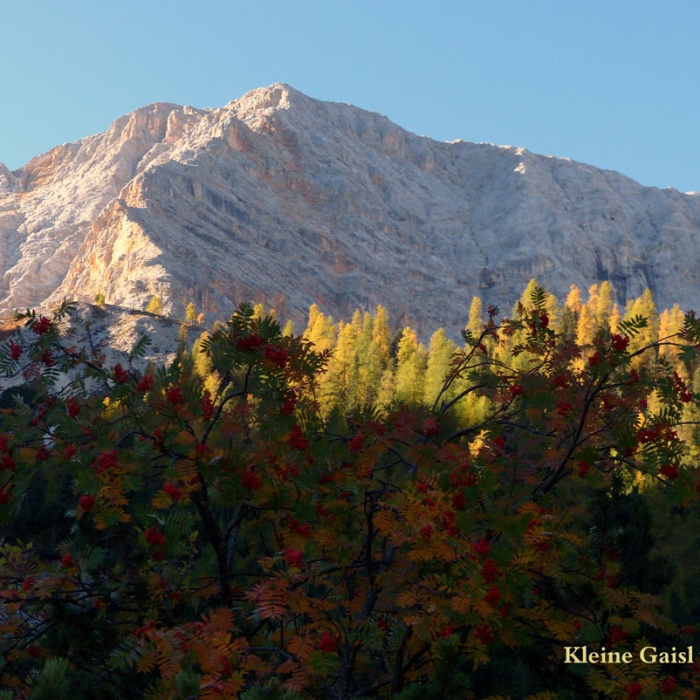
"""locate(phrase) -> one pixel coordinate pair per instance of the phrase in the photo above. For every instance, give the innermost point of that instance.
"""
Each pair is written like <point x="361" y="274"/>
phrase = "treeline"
<point x="371" y="365"/>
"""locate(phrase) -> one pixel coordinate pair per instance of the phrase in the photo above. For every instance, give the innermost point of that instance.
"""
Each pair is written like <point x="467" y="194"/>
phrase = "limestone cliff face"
<point x="280" y="198"/>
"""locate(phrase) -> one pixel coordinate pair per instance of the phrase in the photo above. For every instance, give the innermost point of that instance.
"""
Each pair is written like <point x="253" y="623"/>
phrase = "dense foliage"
<point x="212" y="529"/>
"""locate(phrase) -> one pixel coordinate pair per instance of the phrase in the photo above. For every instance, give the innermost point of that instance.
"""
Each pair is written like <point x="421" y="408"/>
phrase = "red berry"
<point x="174" y="395"/>
<point x="293" y="557"/>
<point x="634" y="690"/>
<point x="297" y="439"/>
<point x="670" y="471"/>
<point x="43" y="325"/>
<point x="87" y="503"/>
<point x="121" y="376"/>
<point x="493" y="596"/>
<point x="15" y="350"/>
<point x="105" y="461"/>
<point x="481" y="548"/>
<point x="427" y="530"/>
<point x="490" y="571"/>
<point x="356" y="443"/>
<point x="484" y="634"/>
<point x="276" y="355"/>
<point x="328" y="643"/>
<point x="145" y="383"/>
<point x="251" y="480"/>
<point x="173" y="491"/>
<point x="155" y="536"/>
<point x="668" y="685"/>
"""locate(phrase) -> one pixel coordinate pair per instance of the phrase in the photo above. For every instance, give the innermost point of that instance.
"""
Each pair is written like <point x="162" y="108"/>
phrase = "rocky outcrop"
<point x="280" y="198"/>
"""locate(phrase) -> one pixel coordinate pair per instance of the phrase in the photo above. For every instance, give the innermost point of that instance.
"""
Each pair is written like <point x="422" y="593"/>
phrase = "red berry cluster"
<point x="173" y="491"/>
<point x="301" y="529"/>
<point x="293" y="557"/>
<point x="276" y="355"/>
<point x="297" y="440"/>
<point x="174" y="395"/>
<point x="290" y="403"/>
<point x="684" y="394"/>
<point x="145" y="383"/>
<point x="484" y="634"/>
<point x="87" y="502"/>
<point x="328" y="643"/>
<point x="250" y="479"/>
<point x="670" y="471"/>
<point x="155" y="536"/>
<point x="73" y="406"/>
<point x="249" y="343"/>
<point x="105" y="461"/>
<point x="42" y="326"/>
<point x="15" y="350"/>
<point x="207" y="406"/>
<point x="619" y="343"/>
<point x="121" y="376"/>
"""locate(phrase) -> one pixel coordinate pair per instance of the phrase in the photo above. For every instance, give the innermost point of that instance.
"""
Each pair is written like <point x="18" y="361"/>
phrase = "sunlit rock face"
<point x="287" y="200"/>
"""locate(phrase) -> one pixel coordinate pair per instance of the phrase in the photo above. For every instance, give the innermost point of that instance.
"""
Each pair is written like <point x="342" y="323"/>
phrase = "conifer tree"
<point x="604" y="304"/>
<point x="476" y="317"/>
<point x="504" y="353"/>
<point x="155" y="305"/>
<point x="438" y="365"/>
<point x="573" y="300"/>
<point x="202" y="364"/>
<point x="570" y="313"/>
<point x="594" y="315"/>
<point x="411" y="361"/>
<point x="670" y="322"/>
<point x="339" y="385"/>
<point x="386" y="390"/>
<point x="314" y="312"/>
<point x="645" y="307"/>
<point x="615" y="318"/>
<point x="370" y="364"/>
<point x="321" y="330"/>
<point x="381" y="335"/>
<point x="586" y="326"/>
<point x="553" y="311"/>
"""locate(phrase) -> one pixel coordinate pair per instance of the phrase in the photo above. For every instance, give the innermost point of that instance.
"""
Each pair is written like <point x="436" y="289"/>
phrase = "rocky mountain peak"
<point x="266" y="99"/>
<point x="280" y="198"/>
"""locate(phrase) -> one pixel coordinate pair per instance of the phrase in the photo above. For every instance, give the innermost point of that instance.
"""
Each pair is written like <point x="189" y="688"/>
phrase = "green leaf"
<point x="139" y="349"/>
<point x="632" y="326"/>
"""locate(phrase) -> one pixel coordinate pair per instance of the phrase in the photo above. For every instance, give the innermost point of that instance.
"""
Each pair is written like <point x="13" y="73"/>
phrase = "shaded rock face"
<point x="287" y="200"/>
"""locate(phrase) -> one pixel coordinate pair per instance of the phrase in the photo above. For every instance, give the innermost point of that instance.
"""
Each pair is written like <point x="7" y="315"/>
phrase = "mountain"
<point x="280" y="198"/>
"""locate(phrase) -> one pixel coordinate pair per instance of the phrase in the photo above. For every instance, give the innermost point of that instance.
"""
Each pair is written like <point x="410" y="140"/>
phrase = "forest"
<point x="348" y="512"/>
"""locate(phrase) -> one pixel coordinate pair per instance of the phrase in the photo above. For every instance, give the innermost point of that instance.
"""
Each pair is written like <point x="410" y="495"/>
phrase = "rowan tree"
<point x="224" y="541"/>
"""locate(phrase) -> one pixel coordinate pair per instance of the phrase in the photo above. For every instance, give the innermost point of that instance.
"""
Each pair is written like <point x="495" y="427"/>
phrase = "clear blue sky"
<point x="613" y="83"/>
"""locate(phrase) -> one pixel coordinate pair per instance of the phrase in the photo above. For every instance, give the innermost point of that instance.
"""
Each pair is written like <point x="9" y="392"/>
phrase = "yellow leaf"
<point x="27" y="455"/>
<point x="461" y="604"/>
<point x="301" y="647"/>
<point x="267" y="564"/>
<point x="162" y="500"/>
<point x="184" y="437"/>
